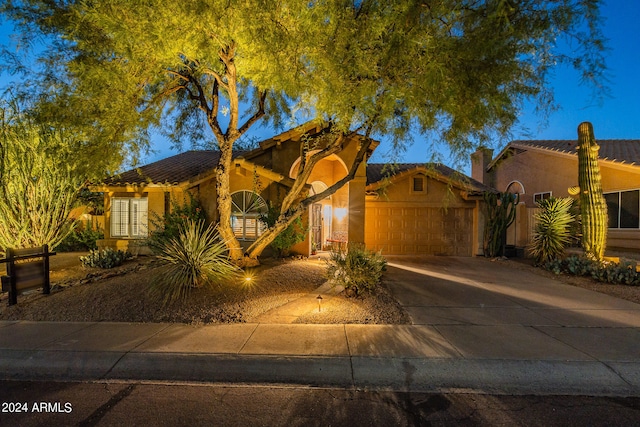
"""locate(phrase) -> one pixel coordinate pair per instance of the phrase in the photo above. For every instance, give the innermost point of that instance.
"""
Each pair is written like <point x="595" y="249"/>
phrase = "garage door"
<point x="419" y="230"/>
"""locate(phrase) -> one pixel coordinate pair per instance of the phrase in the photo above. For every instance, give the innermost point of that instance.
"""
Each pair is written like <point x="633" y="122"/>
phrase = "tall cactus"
<point x="500" y="212"/>
<point x="593" y="208"/>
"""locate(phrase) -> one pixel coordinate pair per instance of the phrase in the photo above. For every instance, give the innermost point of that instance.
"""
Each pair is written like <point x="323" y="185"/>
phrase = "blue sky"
<point x="616" y="117"/>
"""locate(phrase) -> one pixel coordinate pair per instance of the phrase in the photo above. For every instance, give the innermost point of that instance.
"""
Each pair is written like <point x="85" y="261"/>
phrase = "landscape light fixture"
<point x="319" y="298"/>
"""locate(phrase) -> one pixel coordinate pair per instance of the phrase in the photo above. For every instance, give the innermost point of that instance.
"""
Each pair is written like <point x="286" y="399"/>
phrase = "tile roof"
<point x="172" y="170"/>
<point x="615" y="150"/>
<point x="376" y="172"/>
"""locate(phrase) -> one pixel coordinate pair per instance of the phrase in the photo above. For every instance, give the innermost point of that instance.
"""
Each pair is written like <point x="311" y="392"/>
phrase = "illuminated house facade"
<point x="409" y="209"/>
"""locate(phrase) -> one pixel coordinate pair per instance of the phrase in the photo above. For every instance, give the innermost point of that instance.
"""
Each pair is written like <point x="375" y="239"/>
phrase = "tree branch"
<point x="256" y="116"/>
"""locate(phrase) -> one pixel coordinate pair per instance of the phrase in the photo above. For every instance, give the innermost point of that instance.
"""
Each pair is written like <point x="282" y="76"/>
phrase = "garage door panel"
<point x="433" y="231"/>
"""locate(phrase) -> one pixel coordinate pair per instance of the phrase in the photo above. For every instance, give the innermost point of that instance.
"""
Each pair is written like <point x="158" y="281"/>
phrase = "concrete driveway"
<point x="495" y="309"/>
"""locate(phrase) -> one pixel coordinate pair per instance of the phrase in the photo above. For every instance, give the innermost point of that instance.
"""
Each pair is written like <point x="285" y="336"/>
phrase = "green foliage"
<point x="39" y="183"/>
<point x="107" y="258"/>
<point x="500" y="212"/>
<point x="80" y="239"/>
<point x="553" y="229"/>
<point x="169" y="226"/>
<point x="593" y="207"/>
<point x="624" y="273"/>
<point x="94" y="201"/>
<point x="293" y="234"/>
<point x="458" y="71"/>
<point x="356" y="269"/>
<point x="196" y="257"/>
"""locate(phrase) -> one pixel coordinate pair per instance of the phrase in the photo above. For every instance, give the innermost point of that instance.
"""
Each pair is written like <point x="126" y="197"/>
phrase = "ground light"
<point x="319" y="298"/>
<point x="248" y="278"/>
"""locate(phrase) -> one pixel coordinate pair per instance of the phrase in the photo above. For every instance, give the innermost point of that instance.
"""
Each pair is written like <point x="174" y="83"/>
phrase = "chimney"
<point x="479" y="162"/>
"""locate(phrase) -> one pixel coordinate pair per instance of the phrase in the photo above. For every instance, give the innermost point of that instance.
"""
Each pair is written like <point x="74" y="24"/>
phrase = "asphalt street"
<point x="131" y="404"/>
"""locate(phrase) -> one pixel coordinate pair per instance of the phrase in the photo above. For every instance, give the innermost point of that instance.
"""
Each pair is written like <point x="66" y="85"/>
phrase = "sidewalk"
<point x="401" y="358"/>
<point x="477" y="326"/>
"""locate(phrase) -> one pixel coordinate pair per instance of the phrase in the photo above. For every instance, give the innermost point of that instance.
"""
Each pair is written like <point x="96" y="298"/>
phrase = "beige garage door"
<point x="419" y="230"/>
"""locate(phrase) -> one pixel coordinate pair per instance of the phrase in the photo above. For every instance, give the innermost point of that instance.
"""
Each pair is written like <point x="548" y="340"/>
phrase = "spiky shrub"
<point x="39" y="181"/>
<point x="167" y="227"/>
<point x="356" y="269"/>
<point x="553" y="229"/>
<point x="593" y="207"/>
<point x="196" y="257"/>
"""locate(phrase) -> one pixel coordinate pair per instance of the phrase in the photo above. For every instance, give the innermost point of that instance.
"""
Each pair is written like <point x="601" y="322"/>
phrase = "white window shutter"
<point x="119" y="217"/>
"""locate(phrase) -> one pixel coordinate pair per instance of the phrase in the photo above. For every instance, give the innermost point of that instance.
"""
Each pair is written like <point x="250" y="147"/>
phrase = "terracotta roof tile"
<point x="616" y="150"/>
<point x="172" y="170"/>
<point x="376" y="172"/>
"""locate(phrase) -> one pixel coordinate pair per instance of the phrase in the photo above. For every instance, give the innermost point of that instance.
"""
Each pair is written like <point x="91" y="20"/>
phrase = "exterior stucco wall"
<point x="540" y="171"/>
<point x="437" y="221"/>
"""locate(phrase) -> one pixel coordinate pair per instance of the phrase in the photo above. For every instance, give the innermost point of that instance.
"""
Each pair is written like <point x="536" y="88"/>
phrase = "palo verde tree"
<point x="209" y="70"/>
<point x="39" y="183"/>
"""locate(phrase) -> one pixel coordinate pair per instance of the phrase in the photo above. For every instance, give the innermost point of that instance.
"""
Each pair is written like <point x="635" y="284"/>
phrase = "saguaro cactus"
<point x="593" y="207"/>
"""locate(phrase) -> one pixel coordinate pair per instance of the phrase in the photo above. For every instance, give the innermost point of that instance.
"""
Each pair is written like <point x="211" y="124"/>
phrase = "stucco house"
<point x="405" y="209"/>
<point x="538" y="169"/>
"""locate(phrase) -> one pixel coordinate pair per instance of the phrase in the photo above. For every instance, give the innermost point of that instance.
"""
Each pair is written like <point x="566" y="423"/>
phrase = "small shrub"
<point x="196" y="257"/>
<point x="293" y="234"/>
<point x="356" y="269"/>
<point x="80" y="239"/>
<point x="553" y="229"/>
<point x="107" y="258"/>
<point x="606" y="272"/>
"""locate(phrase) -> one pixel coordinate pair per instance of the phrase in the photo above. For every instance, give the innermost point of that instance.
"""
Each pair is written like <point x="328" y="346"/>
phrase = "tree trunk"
<point x="223" y="193"/>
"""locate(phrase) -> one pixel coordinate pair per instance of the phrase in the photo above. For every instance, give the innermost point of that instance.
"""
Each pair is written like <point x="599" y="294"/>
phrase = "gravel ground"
<point x="122" y="295"/>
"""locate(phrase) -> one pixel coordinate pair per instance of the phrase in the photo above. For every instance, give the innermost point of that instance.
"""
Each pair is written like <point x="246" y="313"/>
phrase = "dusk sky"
<point x="617" y="117"/>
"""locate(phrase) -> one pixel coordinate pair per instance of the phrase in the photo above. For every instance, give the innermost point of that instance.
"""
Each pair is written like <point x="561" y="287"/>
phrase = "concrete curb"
<point x="539" y="377"/>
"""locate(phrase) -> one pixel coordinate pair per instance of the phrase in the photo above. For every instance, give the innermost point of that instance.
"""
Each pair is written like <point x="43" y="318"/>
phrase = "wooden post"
<point x="46" y="285"/>
<point x="13" y="289"/>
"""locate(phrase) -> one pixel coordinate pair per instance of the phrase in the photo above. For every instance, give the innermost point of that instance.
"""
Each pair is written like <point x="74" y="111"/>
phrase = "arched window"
<point x="246" y="207"/>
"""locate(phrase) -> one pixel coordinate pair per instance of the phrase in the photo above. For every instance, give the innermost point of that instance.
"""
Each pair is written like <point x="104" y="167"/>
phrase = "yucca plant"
<point x="196" y="257"/>
<point x="553" y="229"/>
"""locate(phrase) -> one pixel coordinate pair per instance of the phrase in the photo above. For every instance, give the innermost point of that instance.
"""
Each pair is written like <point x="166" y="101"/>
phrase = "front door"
<point x="316" y="226"/>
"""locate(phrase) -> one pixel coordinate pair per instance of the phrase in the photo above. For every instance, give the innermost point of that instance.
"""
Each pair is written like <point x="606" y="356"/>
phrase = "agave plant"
<point x="553" y="229"/>
<point x="196" y="257"/>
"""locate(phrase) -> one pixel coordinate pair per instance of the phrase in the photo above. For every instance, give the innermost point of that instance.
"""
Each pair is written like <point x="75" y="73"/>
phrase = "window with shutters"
<point x="246" y="208"/>
<point x="129" y="217"/>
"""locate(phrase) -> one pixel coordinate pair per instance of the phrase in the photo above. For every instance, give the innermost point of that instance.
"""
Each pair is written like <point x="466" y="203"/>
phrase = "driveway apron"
<point x="496" y="310"/>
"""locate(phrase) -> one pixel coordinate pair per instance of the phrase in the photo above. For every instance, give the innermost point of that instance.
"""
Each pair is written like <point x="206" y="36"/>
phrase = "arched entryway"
<point x="328" y="218"/>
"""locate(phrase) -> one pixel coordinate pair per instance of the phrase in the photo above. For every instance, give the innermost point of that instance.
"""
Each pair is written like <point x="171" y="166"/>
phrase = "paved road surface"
<point x="119" y="404"/>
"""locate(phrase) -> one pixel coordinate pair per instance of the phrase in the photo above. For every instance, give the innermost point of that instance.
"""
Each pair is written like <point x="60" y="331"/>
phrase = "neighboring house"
<point x="416" y="210"/>
<point x="547" y="168"/>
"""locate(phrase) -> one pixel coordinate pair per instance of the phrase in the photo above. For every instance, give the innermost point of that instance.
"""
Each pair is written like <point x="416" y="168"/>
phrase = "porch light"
<point x="340" y="213"/>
